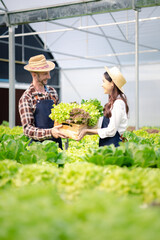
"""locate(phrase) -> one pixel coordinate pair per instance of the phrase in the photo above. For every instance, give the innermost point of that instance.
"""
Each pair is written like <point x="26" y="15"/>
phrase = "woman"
<point x="115" y="111"/>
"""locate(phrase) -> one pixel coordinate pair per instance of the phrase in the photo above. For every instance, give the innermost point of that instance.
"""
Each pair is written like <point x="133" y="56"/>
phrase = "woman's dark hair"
<point x="112" y="97"/>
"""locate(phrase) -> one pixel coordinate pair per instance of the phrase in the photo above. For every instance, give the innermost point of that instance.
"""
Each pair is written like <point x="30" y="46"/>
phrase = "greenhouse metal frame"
<point x="65" y="11"/>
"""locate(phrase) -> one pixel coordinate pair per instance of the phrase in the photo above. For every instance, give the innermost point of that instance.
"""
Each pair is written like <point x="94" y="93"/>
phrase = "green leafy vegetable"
<point x="90" y="110"/>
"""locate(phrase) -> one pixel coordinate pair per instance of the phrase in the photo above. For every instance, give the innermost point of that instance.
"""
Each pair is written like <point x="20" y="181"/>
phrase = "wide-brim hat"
<point x="39" y="64"/>
<point x="116" y="77"/>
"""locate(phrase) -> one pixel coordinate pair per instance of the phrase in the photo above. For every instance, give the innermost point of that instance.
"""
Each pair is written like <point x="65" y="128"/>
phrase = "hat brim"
<point x="112" y="77"/>
<point x="50" y="66"/>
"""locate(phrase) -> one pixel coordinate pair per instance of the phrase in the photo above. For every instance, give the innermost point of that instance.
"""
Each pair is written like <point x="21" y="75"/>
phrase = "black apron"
<point x="109" y="140"/>
<point x="42" y="119"/>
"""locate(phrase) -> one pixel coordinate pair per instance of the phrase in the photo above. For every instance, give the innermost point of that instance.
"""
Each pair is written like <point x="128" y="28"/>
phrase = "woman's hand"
<point x="88" y="132"/>
<point x="81" y="134"/>
<point x="57" y="133"/>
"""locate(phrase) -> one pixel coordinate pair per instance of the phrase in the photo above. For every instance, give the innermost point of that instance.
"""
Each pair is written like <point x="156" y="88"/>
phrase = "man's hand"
<point x="57" y="133"/>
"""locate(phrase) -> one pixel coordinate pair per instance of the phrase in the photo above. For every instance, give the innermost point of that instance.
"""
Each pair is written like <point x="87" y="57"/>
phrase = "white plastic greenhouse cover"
<point x="83" y="45"/>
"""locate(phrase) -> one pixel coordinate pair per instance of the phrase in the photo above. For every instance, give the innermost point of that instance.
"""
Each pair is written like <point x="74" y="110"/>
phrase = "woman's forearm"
<point x="91" y="131"/>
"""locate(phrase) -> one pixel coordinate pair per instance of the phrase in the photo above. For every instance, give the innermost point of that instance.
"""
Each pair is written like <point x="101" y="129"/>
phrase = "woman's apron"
<point x="42" y="119"/>
<point x="109" y="140"/>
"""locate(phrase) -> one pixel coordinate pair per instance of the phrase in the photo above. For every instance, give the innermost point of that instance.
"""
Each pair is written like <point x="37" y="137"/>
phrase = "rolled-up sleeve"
<point x="115" y="120"/>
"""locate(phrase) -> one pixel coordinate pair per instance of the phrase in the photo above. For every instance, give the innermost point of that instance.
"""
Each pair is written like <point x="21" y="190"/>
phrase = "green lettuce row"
<point x="143" y="137"/>
<point x="75" y="178"/>
<point x="127" y="154"/>
<point x="16" y="148"/>
<point x="38" y="212"/>
<point x="10" y="131"/>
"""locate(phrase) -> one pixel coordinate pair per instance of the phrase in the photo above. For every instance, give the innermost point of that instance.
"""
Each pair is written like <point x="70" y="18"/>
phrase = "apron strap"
<point x="53" y="98"/>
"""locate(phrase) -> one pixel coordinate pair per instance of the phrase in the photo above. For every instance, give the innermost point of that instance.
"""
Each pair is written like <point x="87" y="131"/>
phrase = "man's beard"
<point x="43" y="82"/>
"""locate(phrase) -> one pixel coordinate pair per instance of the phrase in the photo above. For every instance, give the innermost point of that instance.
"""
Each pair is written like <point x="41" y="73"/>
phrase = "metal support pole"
<point x="23" y="57"/>
<point x="137" y="66"/>
<point x="60" y="83"/>
<point x="66" y="144"/>
<point x="11" y="77"/>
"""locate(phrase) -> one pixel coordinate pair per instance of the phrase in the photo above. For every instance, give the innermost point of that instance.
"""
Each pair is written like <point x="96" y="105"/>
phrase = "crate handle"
<point x="67" y="124"/>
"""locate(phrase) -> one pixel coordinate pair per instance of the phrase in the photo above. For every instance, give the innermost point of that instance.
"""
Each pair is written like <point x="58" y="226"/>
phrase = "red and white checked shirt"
<point x="27" y="107"/>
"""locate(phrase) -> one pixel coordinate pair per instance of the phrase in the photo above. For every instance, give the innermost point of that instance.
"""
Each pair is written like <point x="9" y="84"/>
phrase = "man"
<point x="36" y="102"/>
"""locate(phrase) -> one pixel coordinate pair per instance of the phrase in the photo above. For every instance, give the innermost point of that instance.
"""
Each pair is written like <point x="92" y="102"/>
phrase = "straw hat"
<point x="116" y="77"/>
<point x="39" y="64"/>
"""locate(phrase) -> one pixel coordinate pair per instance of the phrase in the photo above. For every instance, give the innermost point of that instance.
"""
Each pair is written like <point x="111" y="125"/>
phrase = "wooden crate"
<point x="71" y="130"/>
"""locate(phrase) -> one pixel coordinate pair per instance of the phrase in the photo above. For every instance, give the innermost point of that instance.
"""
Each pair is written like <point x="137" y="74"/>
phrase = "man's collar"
<point x="34" y="91"/>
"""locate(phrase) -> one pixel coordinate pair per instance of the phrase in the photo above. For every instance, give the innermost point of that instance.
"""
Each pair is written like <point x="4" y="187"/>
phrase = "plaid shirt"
<point x="27" y="107"/>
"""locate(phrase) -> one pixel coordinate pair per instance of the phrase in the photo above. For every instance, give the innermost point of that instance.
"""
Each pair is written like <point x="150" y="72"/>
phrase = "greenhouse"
<point x="69" y="177"/>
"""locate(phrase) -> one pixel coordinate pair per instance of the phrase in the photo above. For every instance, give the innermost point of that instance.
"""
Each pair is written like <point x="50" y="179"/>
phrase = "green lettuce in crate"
<point x="95" y="102"/>
<point x="88" y="112"/>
